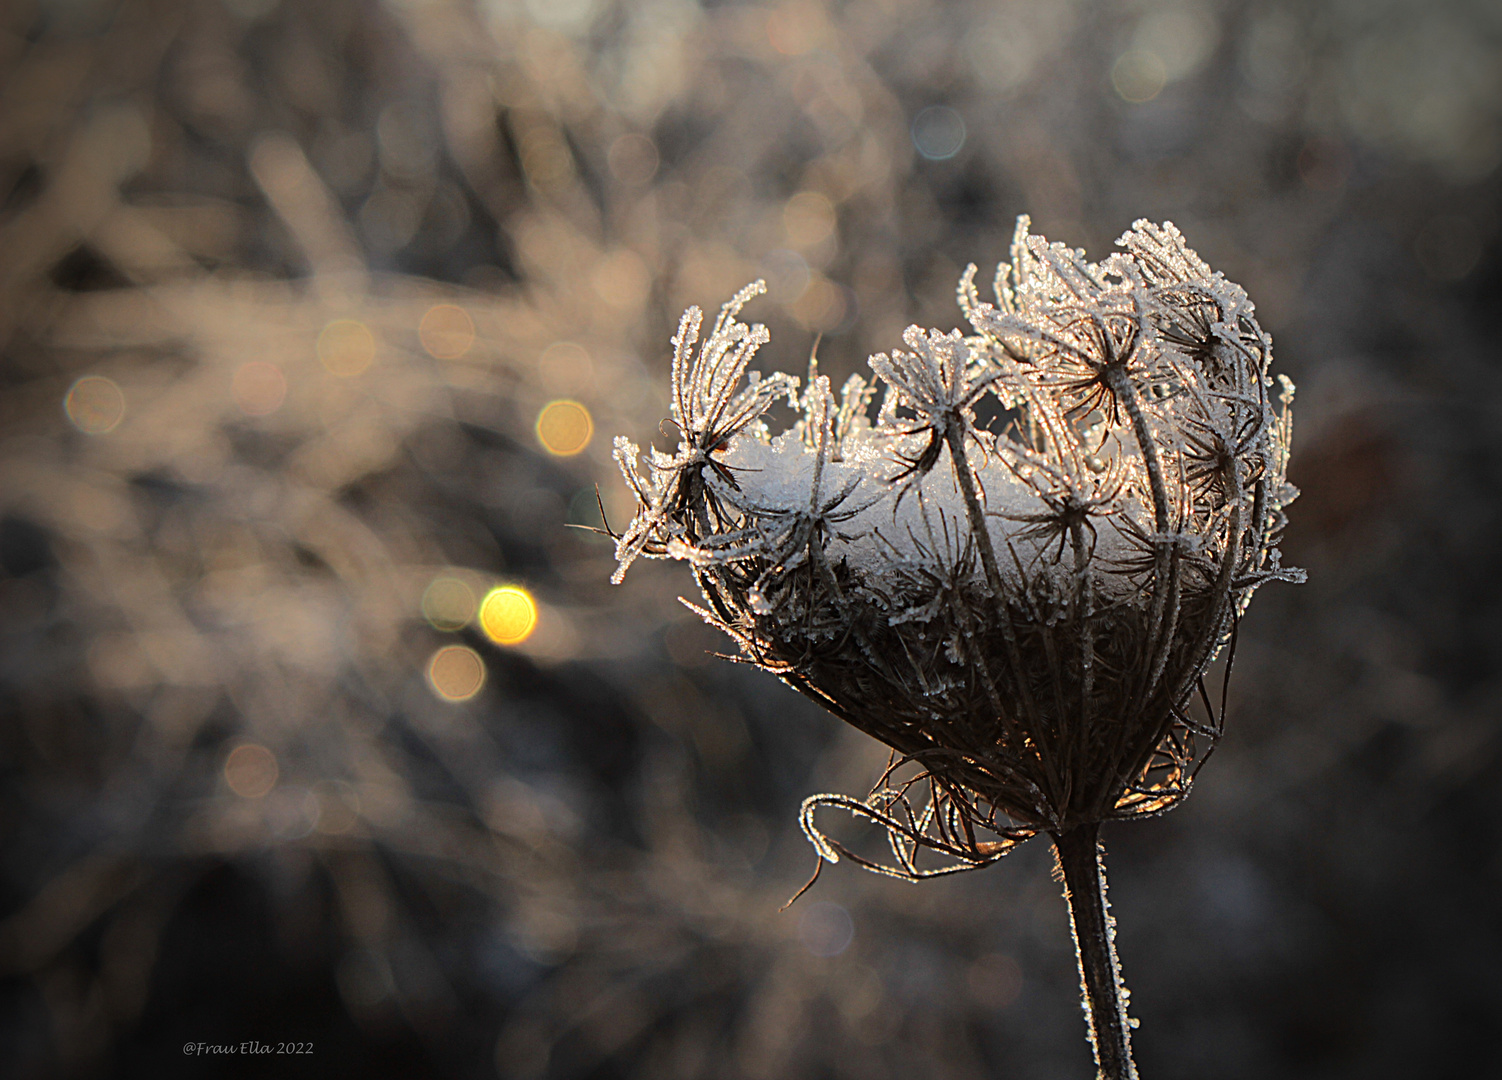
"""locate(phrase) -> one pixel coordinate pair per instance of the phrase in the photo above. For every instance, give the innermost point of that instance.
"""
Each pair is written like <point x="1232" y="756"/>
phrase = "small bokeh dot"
<point x="566" y="367"/>
<point x="621" y="279"/>
<point x="633" y="159"/>
<point x="448" y="603"/>
<point x="446" y="331"/>
<point x="95" y="405"/>
<point x="995" y="981"/>
<point x="338" y="807"/>
<point x="564" y="427"/>
<point x="826" y="928"/>
<point x="259" y="387"/>
<point x="1138" y="76"/>
<point x="456" y="673"/>
<point x="346" y="347"/>
<point x="809" y="218"/>
<point x="938" y="132"/>
<point x="250" y="770"/>
<point x="508" y="615"/>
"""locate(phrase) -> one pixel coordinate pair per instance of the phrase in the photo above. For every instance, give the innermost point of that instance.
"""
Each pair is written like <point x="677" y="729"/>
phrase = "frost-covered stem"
<point x="1083" y="611"/>
<point x="1223" y="582"/>
<point x="1165" y="573"/>
<point x="954" y="437"/>
<point x="1120" y="384"/>
<point x="1095" y="946"/>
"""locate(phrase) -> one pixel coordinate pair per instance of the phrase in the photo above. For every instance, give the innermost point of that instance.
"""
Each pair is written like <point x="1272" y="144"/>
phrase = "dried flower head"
<point x="1025" y="627"/>
<point x="1029" y="623"/>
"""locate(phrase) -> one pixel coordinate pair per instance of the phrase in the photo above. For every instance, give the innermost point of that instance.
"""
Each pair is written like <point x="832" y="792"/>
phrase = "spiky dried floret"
<point x="1025" y="628"/>
<point x="709" y="408"/>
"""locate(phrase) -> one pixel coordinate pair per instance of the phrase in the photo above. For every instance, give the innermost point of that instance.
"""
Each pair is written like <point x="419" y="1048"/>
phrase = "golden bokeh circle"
<point x="346" y="347"/>
<point x="456" y="673"/>
<point x="446" y="331"/>
<point x="251" y="770"/>
<point x="564" y="427"/>
<point x="95" y="405"/>
<point x="448" y="603"/>
<point x="508" y="615"/>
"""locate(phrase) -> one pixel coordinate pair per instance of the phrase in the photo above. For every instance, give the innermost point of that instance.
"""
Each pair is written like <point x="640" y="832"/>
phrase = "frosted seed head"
<point x="1021" y="606"/>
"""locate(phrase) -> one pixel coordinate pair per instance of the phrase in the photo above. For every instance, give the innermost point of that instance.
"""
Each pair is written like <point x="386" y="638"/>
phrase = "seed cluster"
<point x="1018" y="573"/>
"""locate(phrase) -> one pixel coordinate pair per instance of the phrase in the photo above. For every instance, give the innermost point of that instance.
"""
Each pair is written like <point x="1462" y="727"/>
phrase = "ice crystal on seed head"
<point x="1020" y="610"/>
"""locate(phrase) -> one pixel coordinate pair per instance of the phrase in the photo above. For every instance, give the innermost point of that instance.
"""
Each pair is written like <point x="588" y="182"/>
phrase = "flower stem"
<point x="1095" y="946"/>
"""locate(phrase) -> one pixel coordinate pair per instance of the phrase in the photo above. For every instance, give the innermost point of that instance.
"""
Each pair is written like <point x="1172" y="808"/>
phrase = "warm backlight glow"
<point x="446" y="331"/>
<point x="260" y="387"/>
<point x="250" y="771"/>
<point x="448" y="603"/>
<point x="564" y="427"/>
<point x="508" y="615"/>
<point x="346" y="347"/>
<point x="95" y="405"/>
<point x="456" y="673"/>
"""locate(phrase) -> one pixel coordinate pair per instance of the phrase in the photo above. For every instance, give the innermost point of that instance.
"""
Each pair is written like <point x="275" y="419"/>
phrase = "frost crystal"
<point x="1021" y="609"/>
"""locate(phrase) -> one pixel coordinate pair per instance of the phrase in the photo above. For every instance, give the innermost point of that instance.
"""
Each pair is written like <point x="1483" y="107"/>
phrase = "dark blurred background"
<point x="316" y="322"/>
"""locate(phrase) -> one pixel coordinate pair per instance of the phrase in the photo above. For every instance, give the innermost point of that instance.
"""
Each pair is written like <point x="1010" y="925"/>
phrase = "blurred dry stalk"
<point x="244" y="534"/>
<point x="193" y="192"/>
<point x="263" y="474"/>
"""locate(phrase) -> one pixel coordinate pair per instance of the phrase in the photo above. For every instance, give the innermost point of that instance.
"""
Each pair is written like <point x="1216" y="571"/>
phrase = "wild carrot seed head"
<point x="1024" y="608"/>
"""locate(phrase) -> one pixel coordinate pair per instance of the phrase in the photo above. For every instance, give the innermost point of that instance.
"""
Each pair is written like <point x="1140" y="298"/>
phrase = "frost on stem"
<point x="1020" y="610"/>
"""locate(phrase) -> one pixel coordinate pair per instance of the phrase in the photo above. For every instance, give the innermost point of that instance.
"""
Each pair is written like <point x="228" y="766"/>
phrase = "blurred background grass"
<point x="315" y="323"/>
